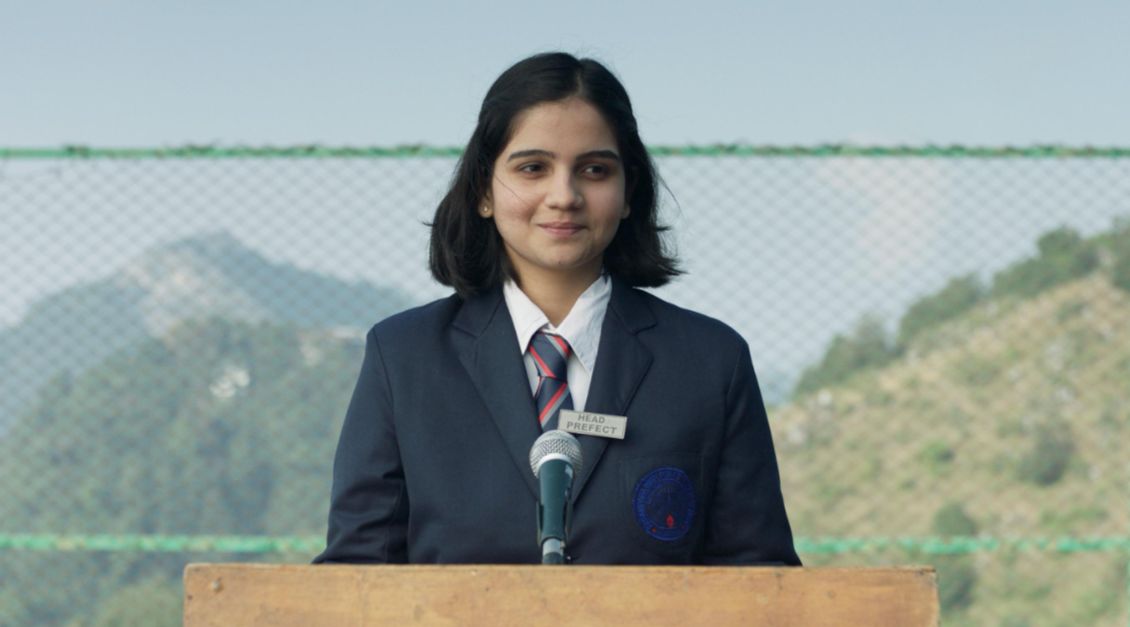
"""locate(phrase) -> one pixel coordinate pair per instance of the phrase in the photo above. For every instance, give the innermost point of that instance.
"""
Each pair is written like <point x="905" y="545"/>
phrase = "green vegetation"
<point x="952" y="520"/>
<point x="976" y="370"/>
<point x="1120" y="253"/>
<point x="1063" y="255"/>
<point x="1061" y="521"/>
<point x="1048" y="456"/>
<point x="1120" y="273"/>
<point x="957" y="579"/>
<point x="1004" y="418"/>
<point x="937" y="457"/>
<point x="152" y="603"/>
<point x="957" y="297"/>
<point x="865" y="348"/>
<point x="223" y="427"/>
<point x="220" y="428"/>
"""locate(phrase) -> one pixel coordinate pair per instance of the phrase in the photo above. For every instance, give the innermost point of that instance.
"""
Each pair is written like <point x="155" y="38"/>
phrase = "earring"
<point x="626" y="213"/>
<point x="485" y="210"/>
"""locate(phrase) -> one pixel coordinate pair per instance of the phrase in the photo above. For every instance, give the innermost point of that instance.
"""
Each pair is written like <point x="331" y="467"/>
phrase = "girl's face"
<point x="558" y="192"/>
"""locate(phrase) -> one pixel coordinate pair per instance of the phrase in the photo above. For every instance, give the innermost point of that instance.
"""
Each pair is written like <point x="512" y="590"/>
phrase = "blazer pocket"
<point x="664" y="502"/>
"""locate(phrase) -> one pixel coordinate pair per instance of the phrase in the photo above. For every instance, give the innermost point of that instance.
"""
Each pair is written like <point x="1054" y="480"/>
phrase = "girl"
<point x="548" y="228"/>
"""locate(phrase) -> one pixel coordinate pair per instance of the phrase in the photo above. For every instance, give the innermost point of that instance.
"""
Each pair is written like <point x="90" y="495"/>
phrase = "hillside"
<point x="1006" y="416"/>
<point x="217" y="428"/>
<point x="1009" y="421"/>
<point x="195" y="278"/>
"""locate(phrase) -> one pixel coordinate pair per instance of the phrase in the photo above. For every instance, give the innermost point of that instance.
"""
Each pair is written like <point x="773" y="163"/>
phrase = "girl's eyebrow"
<point x="537" y="152"/>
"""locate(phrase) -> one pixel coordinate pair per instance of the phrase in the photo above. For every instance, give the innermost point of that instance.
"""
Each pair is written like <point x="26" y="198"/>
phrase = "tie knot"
<point x="551" y="354"/>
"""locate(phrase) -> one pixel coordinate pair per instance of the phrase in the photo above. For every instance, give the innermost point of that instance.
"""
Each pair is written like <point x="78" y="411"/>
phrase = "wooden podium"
<point x="345" y="596"/>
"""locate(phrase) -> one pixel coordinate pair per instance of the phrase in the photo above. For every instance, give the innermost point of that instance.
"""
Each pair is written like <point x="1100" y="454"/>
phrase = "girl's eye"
<point x="531" y="168"/>
<point x="598" y="171"/>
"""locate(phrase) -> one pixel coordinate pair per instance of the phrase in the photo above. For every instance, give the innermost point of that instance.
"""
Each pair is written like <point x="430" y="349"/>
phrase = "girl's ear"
<point x="486" y="208"/>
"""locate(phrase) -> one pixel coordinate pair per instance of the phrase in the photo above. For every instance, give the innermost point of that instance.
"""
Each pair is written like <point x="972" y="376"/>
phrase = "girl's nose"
<point x="564" y="192"/>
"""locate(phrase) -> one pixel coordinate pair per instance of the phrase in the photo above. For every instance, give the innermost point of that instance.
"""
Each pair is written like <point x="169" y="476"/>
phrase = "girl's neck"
<point x="556" y="293"/>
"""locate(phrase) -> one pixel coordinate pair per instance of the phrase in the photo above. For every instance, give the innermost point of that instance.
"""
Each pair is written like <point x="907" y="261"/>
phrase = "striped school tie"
<point x="551" y="354"/>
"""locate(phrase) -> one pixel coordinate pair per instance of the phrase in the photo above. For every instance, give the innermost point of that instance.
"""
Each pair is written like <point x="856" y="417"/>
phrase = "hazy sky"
<point x="160" y="73"/>
<point x="345" y="72"/>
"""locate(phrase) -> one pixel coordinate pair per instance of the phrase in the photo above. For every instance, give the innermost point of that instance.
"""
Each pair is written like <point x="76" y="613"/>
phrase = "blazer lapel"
<point x="621" y="363"/>
<point x="489" y="352"/>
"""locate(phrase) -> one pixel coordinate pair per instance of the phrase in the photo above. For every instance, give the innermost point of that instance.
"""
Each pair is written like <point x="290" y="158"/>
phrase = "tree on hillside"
<point x="1063" y="255"/>
<point x="868" y="346"/>
<point x="957" y="297"/>
<point x="1120" y="254"/>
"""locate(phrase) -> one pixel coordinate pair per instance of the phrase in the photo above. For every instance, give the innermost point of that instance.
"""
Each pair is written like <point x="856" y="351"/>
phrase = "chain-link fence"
<point x="943" y="335"/>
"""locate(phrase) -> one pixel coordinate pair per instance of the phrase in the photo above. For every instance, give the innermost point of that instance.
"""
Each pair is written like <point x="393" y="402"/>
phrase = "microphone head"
<point x="556" y="444"/>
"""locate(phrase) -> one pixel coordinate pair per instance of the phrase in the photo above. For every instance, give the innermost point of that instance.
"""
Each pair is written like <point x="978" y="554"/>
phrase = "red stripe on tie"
<point x="544" y="367"/>
<point x="562" y="343"/>
<point x="551" y="404"/>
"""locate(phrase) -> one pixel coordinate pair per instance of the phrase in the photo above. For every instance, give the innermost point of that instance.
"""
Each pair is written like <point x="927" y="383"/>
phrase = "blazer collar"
<point x="490" y="354"/>
<point x="621" y="363"/>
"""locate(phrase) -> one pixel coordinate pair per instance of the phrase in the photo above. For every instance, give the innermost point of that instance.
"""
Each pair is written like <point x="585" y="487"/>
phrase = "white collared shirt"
<point x="581" y="328"/>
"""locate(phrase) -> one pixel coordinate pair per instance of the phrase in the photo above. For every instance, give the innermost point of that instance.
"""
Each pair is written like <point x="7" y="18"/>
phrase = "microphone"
<point x="555" y="459"/>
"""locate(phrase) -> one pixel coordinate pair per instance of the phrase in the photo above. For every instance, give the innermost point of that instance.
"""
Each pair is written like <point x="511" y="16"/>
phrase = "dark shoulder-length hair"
<point x="466" y="250"/>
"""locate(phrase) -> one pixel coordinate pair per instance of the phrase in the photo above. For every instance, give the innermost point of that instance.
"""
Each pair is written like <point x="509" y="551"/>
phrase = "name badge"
<point x="588" y="423"/>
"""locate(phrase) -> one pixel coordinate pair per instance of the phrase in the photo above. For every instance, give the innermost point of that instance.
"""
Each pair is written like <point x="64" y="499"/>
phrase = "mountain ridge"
<point x="203" y="276"/>
<point x="1010" y="419"/>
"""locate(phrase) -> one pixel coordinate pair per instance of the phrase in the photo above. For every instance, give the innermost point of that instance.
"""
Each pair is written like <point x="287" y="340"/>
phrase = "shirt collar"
<point x="581" y="327"/>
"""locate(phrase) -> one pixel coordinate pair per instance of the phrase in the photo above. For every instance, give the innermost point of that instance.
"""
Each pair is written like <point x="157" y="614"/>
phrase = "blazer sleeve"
<point x="368" y="521"/>
<point x="746" y="523"/>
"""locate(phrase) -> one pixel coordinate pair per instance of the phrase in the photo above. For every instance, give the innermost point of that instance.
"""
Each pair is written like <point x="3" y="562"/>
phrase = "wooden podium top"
<point x="345" y="596"/>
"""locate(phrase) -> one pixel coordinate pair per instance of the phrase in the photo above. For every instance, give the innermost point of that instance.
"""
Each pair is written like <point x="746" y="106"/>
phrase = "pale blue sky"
<point x="161" y="72"/>
<point x="158" y="73"/>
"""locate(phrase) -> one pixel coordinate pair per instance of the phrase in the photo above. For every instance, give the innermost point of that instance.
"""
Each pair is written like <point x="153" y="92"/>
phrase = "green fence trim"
<point x="317" y="151"/>
<point x="926" y="151"/>
<point x="233" y="152"/>
<point x="959" y="545"/>
<point x="313" y="544"/>
<point x="163" y="543"/>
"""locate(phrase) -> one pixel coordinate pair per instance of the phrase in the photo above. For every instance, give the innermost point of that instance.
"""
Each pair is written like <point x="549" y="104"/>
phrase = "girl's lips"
<point x="562" y="229"/>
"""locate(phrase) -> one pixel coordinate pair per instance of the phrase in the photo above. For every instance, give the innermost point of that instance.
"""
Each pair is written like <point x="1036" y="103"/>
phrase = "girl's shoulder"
<point x="674" y="319"/>
<point x="431" y="316"/>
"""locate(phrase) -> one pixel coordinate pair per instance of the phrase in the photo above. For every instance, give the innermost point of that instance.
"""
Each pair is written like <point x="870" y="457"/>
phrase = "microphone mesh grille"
<point x="556" y="442"/>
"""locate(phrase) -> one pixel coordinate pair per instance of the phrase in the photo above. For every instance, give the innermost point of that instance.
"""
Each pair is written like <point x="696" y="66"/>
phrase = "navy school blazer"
<point x="432" y="464"/>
